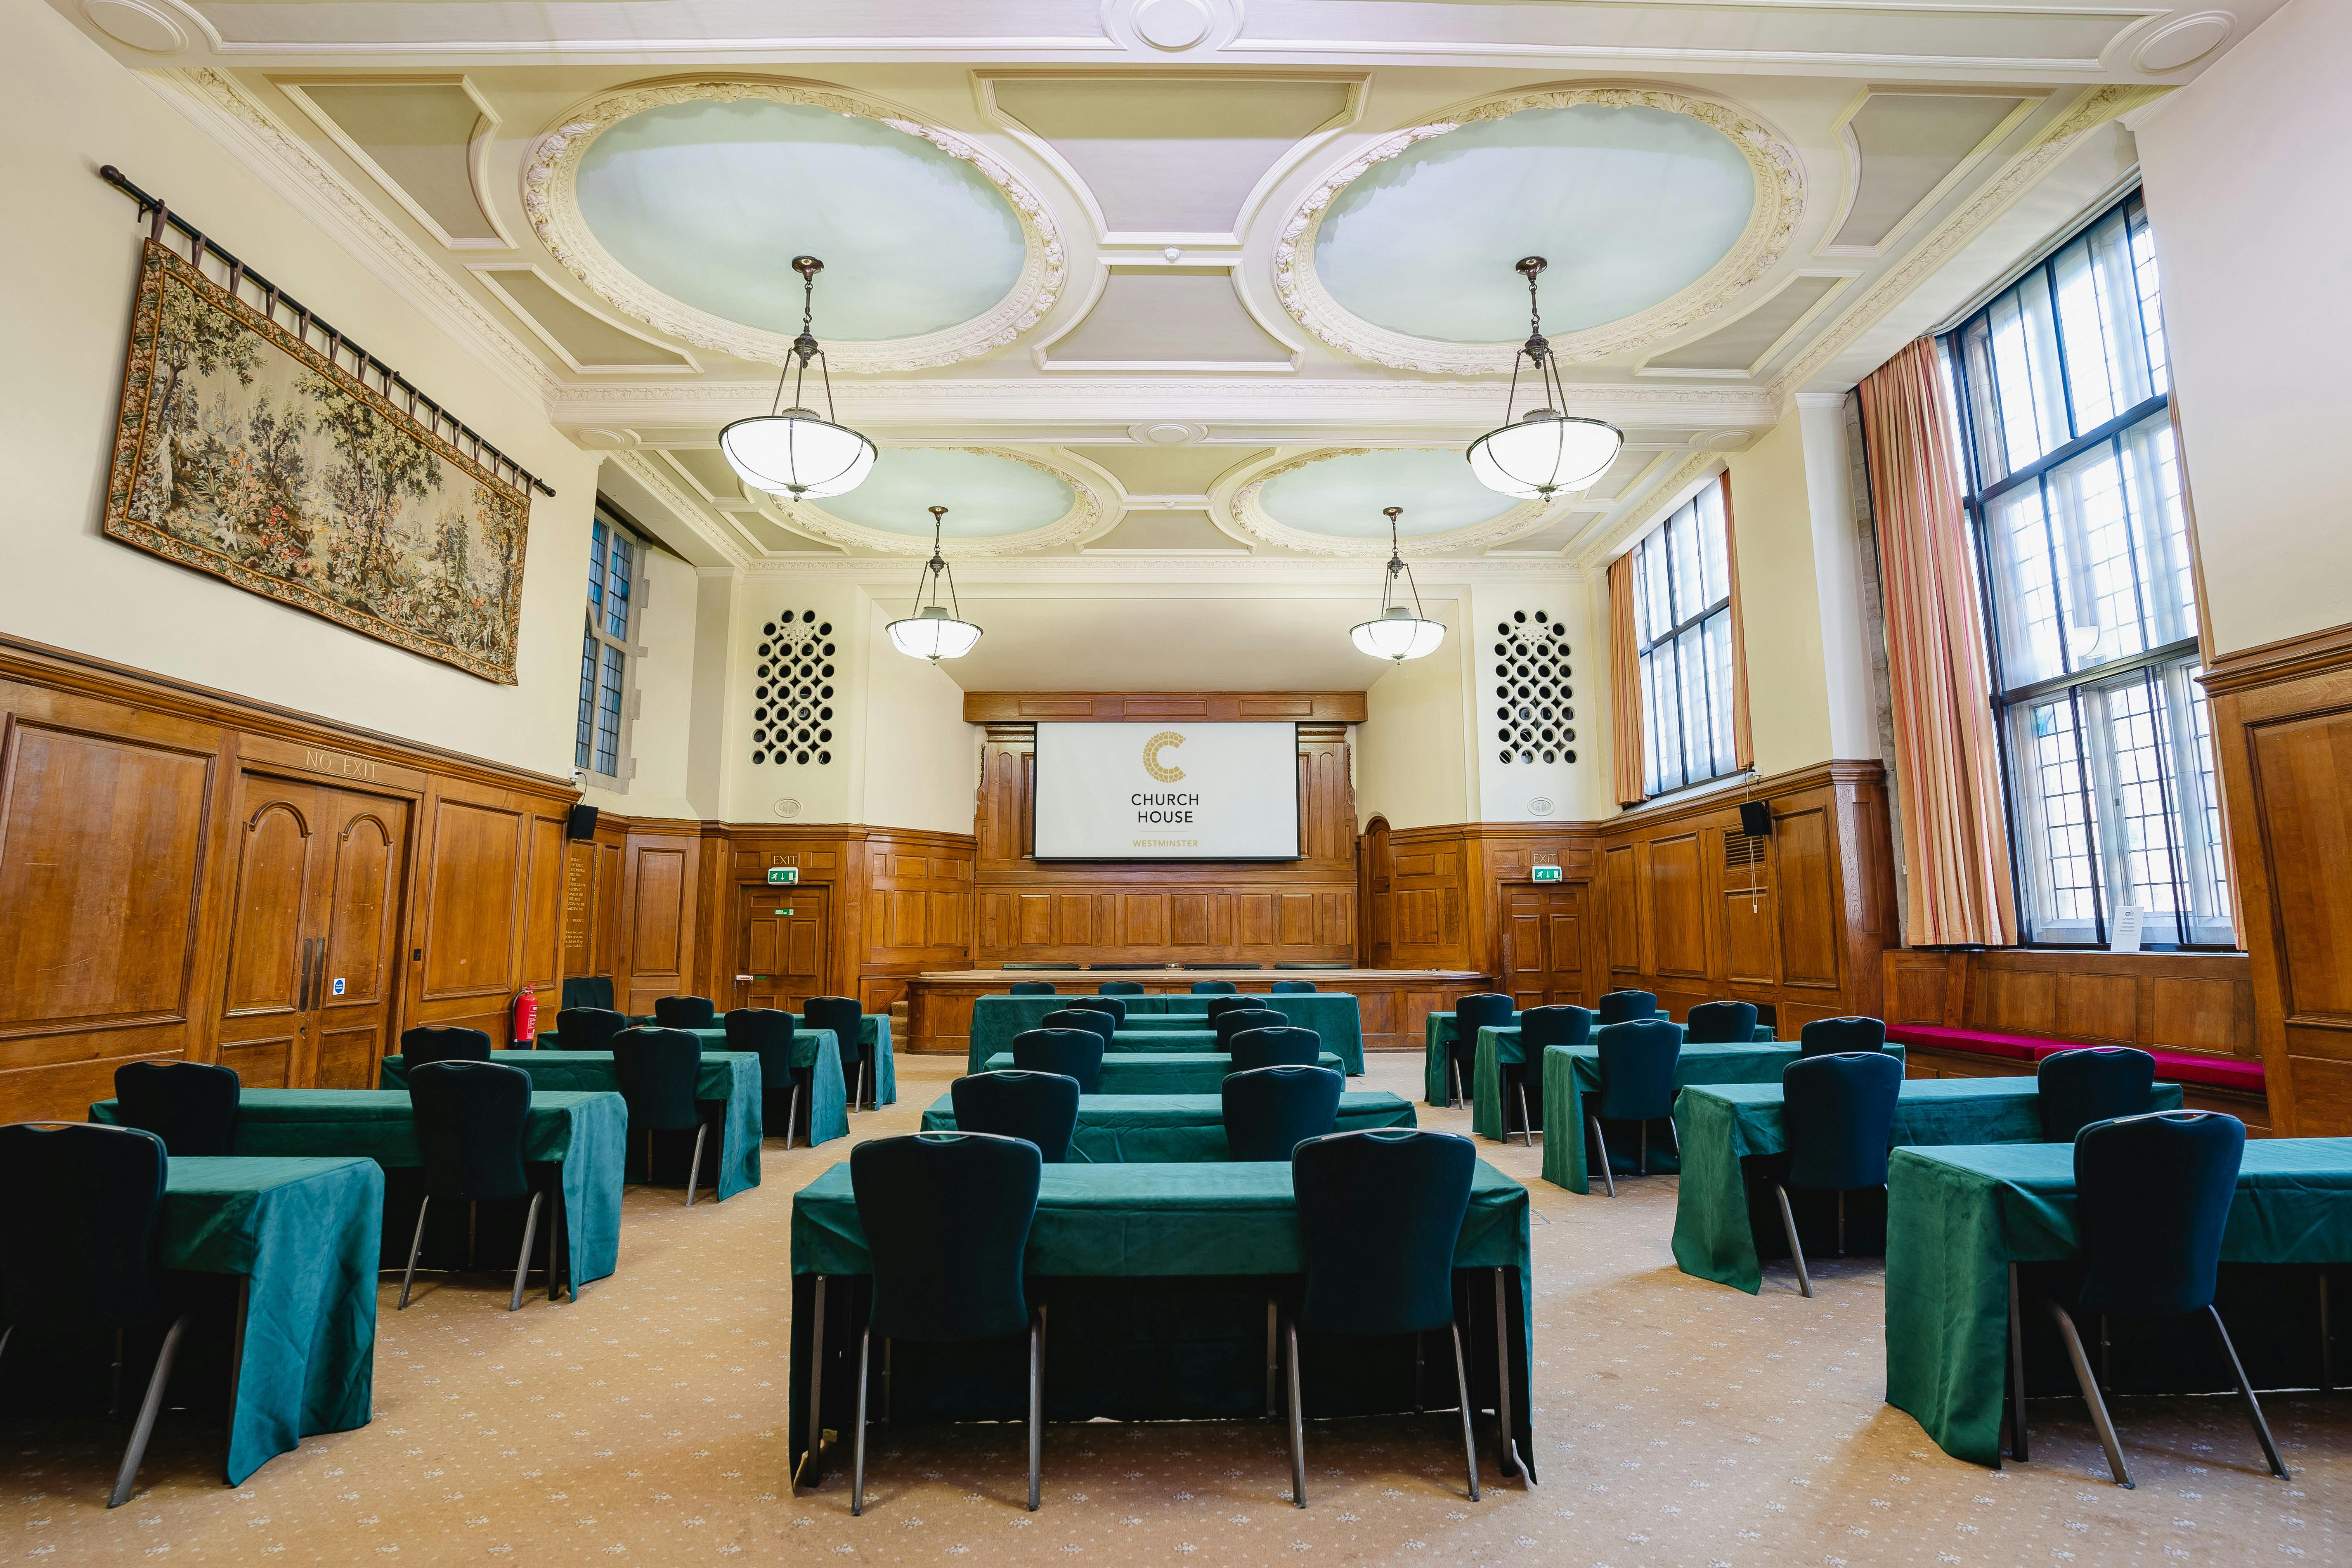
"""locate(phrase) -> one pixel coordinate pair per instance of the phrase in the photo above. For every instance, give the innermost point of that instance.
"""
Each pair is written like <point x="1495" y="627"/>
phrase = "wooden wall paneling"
<point x="2157" y="1001"/>
<point x="481" y="859"/>
<point x="109" y="818"/>
<point x="1620" y="880"/>
<point x="1677" y="900"/>
<point x="1805" y="858"/>
<point x="659" y="903"/>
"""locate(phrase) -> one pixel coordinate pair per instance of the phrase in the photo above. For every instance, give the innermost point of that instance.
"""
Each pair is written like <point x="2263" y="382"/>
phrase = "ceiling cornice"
<point x="220" y="106"/>
<point x="1335" y="578"/>
<point x="688" y="512"/>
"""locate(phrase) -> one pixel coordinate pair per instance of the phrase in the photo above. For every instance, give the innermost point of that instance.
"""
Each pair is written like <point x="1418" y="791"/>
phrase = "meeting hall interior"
<point x="1195" y="781"/>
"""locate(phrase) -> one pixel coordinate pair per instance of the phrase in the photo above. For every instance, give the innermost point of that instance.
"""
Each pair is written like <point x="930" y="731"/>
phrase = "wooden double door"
<point x="311" y="966"/>
<point x="784" y="932"/>
<point x="1543" y="945"/>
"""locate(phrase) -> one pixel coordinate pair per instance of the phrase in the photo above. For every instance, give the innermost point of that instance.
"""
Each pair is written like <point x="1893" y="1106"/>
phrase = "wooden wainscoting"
<point x="1244" y="911"/>
<point x="1695" y="910"/>
<point x="189" y="874"/>
<point x="2282" y="741"/>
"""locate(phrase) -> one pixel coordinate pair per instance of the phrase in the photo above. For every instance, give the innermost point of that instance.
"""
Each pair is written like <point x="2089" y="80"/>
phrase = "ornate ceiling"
<point x="1174" y="278"/>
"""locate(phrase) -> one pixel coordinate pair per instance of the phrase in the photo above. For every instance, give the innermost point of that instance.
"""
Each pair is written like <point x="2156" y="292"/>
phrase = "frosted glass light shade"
<point x="1544" y="453"/>
<point x="1398" y="634"/>
<point x="797" y="453"/>
<point x="931" y="633"/>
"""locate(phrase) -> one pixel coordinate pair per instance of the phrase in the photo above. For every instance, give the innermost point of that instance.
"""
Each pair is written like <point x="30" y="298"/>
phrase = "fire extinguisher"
<point x="526" y="1021"/>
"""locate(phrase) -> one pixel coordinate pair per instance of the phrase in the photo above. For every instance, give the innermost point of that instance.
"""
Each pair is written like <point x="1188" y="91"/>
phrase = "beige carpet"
<point x="1677" y="1423"/>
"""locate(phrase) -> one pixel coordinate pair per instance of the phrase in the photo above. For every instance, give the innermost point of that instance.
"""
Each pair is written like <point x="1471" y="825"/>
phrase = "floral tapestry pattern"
<point x="245" y="452"/>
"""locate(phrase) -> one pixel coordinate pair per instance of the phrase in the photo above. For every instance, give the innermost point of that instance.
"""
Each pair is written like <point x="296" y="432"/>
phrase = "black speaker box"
<point x="582" y="826"/>
<point x="1755" y="818"/>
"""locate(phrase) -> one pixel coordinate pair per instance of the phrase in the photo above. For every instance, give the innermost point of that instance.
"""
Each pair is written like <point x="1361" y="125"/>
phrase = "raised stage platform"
<point x="1392" y="1001"/>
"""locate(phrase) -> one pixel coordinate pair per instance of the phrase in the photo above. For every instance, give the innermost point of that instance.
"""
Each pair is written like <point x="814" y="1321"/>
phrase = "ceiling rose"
<point x="1656" y="206"/>
<point x="1329" y="502"/>
<point x="664" y="200"/>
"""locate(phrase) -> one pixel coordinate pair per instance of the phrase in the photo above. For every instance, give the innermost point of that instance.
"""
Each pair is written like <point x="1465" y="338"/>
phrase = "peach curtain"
<point x="1743" y="739"/>
<point x="1947" y="754"/>
<point x="1624" y="684"/>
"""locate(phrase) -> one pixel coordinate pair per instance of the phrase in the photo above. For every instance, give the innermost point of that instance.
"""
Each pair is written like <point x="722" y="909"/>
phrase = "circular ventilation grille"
<point x="1532" y="715"/>
<point x="1541" y="806"/>
<point x="793" y="722"/>
<point x="788" y="808"/>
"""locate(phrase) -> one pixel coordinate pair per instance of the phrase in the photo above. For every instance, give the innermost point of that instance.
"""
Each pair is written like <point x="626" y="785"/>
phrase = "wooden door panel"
<point x="348" y="1058"/>
<point x="260" y="1063"/>
<point x="1564" y="938"/>
<point x="364" y="842"/>
<point x="784" y="933"/>
<point x="272" y="902"/>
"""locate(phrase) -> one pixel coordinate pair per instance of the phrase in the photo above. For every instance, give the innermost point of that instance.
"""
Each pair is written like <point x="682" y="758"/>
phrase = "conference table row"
<point x="1170" y="1023"/>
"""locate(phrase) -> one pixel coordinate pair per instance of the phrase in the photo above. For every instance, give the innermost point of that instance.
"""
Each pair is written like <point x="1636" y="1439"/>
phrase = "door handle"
<point x="302" y="983"/>
<point x="319" y="980"/>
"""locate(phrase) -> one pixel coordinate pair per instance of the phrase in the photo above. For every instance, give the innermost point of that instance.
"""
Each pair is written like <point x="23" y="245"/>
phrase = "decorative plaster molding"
<point x="221" y="105"/>
<point x="2021" y="173"/>
<point x="1635" y="516"/>
<point x="1779" y="202"/>
<point x="548" y="198"/>
<point x="640" y="467"/>
<point x="1085" y="514"/>
<point x="1250" y="516"/>
<point x="1334" y="578"/>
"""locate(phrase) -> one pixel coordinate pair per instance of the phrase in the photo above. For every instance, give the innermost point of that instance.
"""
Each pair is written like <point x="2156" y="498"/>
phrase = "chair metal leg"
<point x="1420" y="1365"/>
<point x="2090" y="1388"/>
<point x="1600" y="1142"/>
<point x="522" y="1263"/>
<point x="816" y="1385"/>
<point x="1526" y="1123"/>
<point x="694" y="1166"/>
<point x="1036" y="1407"/>
<point x="414" y="1242"/>
<point x="1298" y="1424"/>
<point x="1509" y="1457"/>
<point x="2017" y="1446"/>
<point x="858" y="1444"/>
<point x="1674" y="1138"/>
<point x="792" y="1116"/>
<point x="2326" y="1341"/>
<point x="1840" y="1234"/>
<point x="1273" y="1355"/>
<point x="2246" y="1392"/>
<point x="1456" y="1068"/>
<point x="1789" y="1224"/>
<point x="1462" y="1386"/>
<point x="148" y="1410"/>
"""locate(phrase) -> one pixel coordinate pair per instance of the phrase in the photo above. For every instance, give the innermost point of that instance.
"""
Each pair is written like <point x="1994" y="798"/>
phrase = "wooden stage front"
<point x="1392" y="1002"/>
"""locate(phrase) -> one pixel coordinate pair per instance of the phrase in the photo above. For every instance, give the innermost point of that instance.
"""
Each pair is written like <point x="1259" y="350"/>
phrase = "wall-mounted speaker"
<point x="582" y="826"/>
<point x="1756" y="819"/>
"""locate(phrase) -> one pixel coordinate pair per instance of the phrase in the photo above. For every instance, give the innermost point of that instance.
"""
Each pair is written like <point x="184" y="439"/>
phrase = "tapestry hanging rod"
<point x="436" y="418"/>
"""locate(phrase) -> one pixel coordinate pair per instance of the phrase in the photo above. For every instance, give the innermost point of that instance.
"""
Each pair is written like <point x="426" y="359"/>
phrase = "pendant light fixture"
<point x="791" y="451"/>
<point x="1398" y="632"/>
<point x="1545" y="451"/>
<point x="932" y="632"/>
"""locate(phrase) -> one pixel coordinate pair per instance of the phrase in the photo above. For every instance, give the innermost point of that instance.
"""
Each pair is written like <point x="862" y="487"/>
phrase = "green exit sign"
<point x="783" y="873"/>
<point x="1545" y="873"/>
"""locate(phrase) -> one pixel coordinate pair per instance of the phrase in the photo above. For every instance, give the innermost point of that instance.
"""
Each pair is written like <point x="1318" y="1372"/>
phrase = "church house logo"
<point x="1164" y="741"/>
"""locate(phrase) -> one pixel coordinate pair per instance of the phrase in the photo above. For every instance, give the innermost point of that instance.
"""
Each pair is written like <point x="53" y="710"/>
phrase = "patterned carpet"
<point x="1678" y="1422"/>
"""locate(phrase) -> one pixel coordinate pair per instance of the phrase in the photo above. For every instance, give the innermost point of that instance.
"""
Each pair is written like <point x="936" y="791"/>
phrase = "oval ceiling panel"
<point x="710" y="201"/>
<point x="1340" y="496"/>
<point x="1629" y="205"/>
<point x="988" y="495"/>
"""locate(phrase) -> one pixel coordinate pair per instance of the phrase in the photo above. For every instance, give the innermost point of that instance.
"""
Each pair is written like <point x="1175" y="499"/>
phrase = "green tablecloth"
<point x="1957" y="1217"/>
<point x="1171" y="1128"/>
<point x="1723" y="1124"/>
<point x="729" y="1079"/>
<point x="303" y="1233"/>
<point x="830" y="1087"/>
<point x="1334" y="1015"/>
<point x="1159" y="1072"/>
<point x="1566" y="1162"/>
<point x="1437" y="1029"/>
<point x="1123" y="1339"/>
<point x="584" y="1133"/>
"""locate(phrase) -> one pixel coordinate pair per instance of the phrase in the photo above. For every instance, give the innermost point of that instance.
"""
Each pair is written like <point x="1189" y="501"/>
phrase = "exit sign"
<point x="1545" y="873"/>
<point x="783" y="873"/>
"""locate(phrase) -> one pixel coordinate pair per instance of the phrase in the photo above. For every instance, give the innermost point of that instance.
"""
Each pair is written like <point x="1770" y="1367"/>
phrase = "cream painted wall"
<point x="2246" y="198"/>
<point x="65" y="109"/>
<point x="923" y="761"/>
<point x="1779" y="603"/>
<point x="1412" y="757"/>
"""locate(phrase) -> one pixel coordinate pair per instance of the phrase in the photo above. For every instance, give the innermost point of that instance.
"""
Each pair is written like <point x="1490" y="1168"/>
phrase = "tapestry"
<point x="245" y="452"/>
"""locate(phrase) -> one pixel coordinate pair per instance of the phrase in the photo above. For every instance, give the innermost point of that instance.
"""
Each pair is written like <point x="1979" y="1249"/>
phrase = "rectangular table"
<point x="1169" y="1128"/>
<point x="585" y="1133"/>
<point x="729" y="1079"/>
<point x="1334" y="1015"/>
<point x="1566" y="1161"/>
<point x="873" y="1038"/>
<point x="296" y="1336"/>
<point x="1122" y="1342"/>
<point x="818" y="1053"/>
<point x="1958" y="1217"/>
<point x="1438" y="1032"/>
<point x="1159" y="1072"/>
<point x="1722" y="1124"/>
